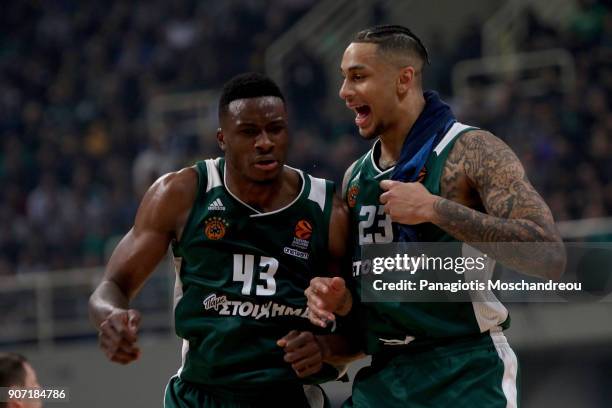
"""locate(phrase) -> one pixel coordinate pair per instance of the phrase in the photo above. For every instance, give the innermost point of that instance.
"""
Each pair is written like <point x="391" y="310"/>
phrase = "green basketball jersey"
<point x="241" y="276"/>
<point x="395" y="323"/>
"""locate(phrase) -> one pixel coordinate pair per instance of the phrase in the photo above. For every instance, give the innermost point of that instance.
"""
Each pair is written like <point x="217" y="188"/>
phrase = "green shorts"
<point x="480" y="372"/>
<point x="183" y="394"/>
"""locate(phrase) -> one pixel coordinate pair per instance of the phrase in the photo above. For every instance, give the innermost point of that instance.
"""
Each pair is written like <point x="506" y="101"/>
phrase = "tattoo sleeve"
<point x="515" y="212"/>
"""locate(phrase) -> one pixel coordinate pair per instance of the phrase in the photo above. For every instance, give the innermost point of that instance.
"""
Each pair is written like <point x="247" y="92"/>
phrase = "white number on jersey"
<point x="244" y="270"/>
<point x="373" y="213"/>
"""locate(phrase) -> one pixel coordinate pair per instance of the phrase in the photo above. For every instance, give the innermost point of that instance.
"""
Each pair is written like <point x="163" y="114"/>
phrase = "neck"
<point x="392" y="139"/>
<point x="265" y="197"/>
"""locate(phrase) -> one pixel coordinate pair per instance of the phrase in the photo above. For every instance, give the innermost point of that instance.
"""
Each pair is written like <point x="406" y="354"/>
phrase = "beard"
<point x="378" y="130"/>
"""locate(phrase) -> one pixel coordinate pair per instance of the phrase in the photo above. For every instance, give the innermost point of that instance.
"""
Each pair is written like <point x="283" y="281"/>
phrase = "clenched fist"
<point x="118" y="336"/>
<point x="327" y="296"/>
<point x="407" y="203"/>
<point x="303" y="351"/>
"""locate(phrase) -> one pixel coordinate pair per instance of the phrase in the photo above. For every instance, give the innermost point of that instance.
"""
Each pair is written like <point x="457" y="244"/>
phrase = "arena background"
<point x="97" y="99"/>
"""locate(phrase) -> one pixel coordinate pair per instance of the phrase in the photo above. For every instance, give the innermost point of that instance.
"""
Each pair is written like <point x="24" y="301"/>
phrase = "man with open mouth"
<point x="429" y="178"/>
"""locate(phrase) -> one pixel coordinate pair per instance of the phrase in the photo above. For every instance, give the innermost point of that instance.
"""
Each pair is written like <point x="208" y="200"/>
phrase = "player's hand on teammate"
<point x="407" y="203"/>
<point x="326" y="297"/>
<point x="118" y="335"/>
<point x="304" y="352"/>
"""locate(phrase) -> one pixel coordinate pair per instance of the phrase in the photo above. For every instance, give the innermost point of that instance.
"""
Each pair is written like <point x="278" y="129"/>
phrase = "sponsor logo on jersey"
<point x="351" y="195"/>
<point x="303" y="233"/>
<point x="215" y="228"/>
<point x="300" y="243"/>
<point x="213" y="301"/>
<point x="303" y="230"/>
<point x="296" y="253"/>
<point x="216" y="205"/>
<point x="253" y="310"/>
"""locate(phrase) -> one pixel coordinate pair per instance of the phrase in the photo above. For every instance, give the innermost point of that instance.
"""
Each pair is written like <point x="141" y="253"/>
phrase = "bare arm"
<point x="305" y="351"/>
<point x="161" y="213"/>
<point x="160" y="218"/>
<point x="346" y="179"/>
<point x="515" y="211"/>
<point x="329" y="295"/>
<point x="516" y="217"/>
<point x="338" y="238"/>
<point x="340" y="300"/>
<point x="337" y="349"/>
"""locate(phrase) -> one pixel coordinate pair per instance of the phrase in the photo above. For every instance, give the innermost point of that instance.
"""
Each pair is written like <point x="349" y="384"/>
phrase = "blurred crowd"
<point x="76" y="77"/>
<point x="561" y="133"/>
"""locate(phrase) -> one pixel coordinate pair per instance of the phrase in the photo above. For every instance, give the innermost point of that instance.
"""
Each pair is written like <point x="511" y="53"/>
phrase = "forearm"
<point x="492" y="235"/>
<point x="346" y="304"/>
<point x="107" y="297"/>
<point x="469" y="225"/>
<point x="337" y="350"/>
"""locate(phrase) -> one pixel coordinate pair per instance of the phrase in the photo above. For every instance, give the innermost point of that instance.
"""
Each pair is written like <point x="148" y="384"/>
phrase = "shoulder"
<point x="176" y="185"/>
<point x="347" y="176"/>
<point x="339" y="227"/>
<point x="481" y="154"/>
<point x="169" y="197"/>
<point x="339" y="209"/>
<point x="318" y="185"/>
<point x="474" y="141"/>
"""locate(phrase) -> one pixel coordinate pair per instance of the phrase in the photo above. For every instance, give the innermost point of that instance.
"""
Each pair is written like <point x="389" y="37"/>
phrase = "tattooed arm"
<point x="515" y="212"/>
<point x="482" y="172"/>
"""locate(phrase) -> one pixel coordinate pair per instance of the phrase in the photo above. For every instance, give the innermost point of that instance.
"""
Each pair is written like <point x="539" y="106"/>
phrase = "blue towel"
<point x="429" y="128"/>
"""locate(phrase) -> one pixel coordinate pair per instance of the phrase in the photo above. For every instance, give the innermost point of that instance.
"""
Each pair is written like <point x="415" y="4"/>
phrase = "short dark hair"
<point x="247" y="85"/>
<point x="393" y="38"/>
<point x="12" y="369"/>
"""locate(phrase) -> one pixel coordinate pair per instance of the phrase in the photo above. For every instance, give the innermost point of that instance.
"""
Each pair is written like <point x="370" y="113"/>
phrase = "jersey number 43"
<point x="244" y="271"/>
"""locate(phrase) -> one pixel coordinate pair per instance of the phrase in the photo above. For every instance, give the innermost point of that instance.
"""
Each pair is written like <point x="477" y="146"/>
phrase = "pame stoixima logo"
<point x="215" y="228"/>
<point x="213" y="301"/>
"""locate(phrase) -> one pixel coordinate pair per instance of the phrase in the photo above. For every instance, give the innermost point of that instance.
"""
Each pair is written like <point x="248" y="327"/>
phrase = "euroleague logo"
<point x="215" y="228"/>
<point x="352" y="195"/>
<point x="303" y="230"/>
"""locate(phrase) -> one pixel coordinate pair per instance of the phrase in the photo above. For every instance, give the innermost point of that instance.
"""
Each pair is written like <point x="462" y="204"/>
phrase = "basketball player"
<point x="248" y="233"/>
<point x="429" y="178"/>
<point x="16" y="372"/>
